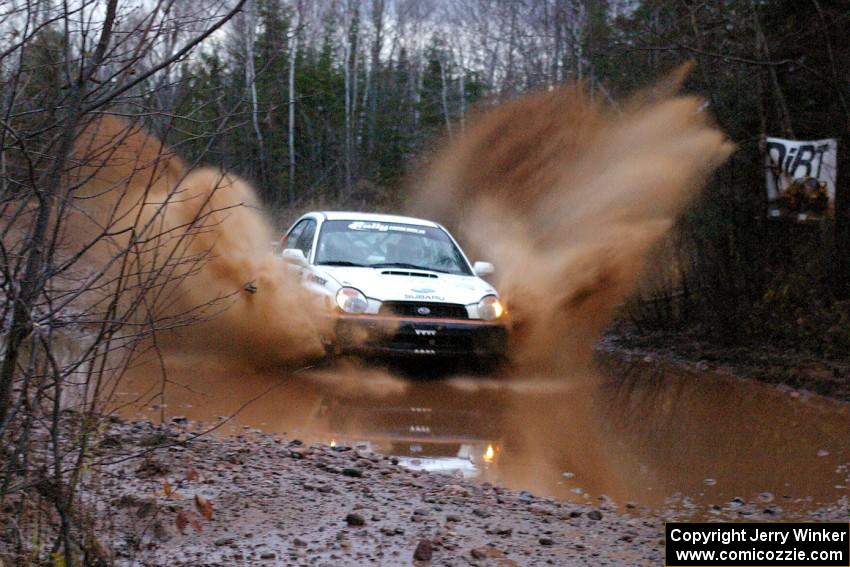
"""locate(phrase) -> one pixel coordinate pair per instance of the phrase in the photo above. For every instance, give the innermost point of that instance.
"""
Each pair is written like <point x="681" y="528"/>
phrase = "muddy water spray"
<point x="199" y="256"/>
<point x="568" y="195"/>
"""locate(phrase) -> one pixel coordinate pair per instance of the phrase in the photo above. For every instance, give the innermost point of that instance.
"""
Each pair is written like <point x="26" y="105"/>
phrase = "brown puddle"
<point x="650" y="435"/>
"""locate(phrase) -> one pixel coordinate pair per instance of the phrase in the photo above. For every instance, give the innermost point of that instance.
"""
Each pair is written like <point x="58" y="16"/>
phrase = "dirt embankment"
<point x="827" y="376"/>
<point x="166" y="496"/>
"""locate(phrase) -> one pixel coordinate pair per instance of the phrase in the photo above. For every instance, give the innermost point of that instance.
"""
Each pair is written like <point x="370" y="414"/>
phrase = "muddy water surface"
<point x="644" y="435"/>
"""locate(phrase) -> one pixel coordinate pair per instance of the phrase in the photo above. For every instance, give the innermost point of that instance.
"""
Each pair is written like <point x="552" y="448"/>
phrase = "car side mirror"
<point x="295" y="255"/>
<point x="483" y="269"/>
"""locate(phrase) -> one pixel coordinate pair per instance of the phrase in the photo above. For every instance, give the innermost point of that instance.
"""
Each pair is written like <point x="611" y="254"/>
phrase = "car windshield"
<point x="388" y="245"/>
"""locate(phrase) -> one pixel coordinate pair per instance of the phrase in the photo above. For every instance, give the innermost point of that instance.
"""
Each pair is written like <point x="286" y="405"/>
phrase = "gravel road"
<point x="256" y="499"/>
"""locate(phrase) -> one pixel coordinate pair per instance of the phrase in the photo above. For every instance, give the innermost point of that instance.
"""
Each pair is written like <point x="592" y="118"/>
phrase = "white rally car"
<point x="397" y="286"/>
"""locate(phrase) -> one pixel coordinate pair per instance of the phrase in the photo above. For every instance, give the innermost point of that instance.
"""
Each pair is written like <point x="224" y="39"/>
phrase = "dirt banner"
<point x="800" y="178"/>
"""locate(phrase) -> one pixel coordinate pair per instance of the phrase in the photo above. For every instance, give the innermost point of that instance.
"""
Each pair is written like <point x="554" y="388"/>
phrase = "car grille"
<point x="412" y="309"/>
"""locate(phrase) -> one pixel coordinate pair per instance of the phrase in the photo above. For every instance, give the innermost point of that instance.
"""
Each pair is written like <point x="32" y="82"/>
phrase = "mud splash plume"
<point x="198" y="256"/>
<point x="568" y="195"/>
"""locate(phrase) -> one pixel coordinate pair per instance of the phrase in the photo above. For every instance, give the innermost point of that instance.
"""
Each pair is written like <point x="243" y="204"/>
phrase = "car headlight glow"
<point x="351" y="300"/>
<point x="490" y="308"/>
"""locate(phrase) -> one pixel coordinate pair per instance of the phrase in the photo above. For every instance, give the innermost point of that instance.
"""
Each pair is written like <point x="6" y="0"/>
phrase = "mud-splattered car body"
<point x="397" y="286"/>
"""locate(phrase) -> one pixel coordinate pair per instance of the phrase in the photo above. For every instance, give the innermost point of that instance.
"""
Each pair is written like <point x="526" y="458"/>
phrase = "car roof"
<point x="373" y="217"/>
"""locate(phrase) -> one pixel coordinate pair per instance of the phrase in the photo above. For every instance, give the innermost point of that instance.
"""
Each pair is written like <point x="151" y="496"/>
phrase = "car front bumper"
<point x="419" y="337"/>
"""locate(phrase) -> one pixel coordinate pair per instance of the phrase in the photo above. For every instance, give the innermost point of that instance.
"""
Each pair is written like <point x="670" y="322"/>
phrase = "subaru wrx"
<point x="397" y="286"/>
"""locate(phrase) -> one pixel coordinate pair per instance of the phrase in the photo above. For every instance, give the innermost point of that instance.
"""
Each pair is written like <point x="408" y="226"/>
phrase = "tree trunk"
<point x="841" y="272"/>
<point x="293" y="48"/>
<point x="462" y="91"/>
<point x="444" y="95"/>
<point x="251" y="83"/>
<point x="377" y="45"/>
<point x="779" y="96"/>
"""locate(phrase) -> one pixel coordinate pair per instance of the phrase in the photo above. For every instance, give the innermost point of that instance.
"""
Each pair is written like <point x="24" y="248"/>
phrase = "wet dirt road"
<point x="644" y="435"/>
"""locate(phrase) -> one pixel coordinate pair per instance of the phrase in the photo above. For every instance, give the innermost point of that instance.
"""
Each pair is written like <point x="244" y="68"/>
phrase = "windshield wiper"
<point x="342" y="263"/>
<point x="405" y="265"/>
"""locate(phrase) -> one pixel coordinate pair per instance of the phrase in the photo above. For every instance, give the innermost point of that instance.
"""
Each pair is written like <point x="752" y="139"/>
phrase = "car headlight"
<point x="490" y="308"/>
<point x="351" y="300"/>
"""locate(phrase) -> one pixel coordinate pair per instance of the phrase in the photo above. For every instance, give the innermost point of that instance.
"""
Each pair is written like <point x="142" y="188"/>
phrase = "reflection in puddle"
<point x="647" y="435"/>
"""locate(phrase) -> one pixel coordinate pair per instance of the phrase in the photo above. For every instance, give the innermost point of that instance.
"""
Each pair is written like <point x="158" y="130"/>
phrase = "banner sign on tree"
<point x="801" y="178"/>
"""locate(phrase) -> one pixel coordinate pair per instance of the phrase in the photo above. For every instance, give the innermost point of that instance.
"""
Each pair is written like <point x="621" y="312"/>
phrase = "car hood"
<point x="399" y="284"/>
